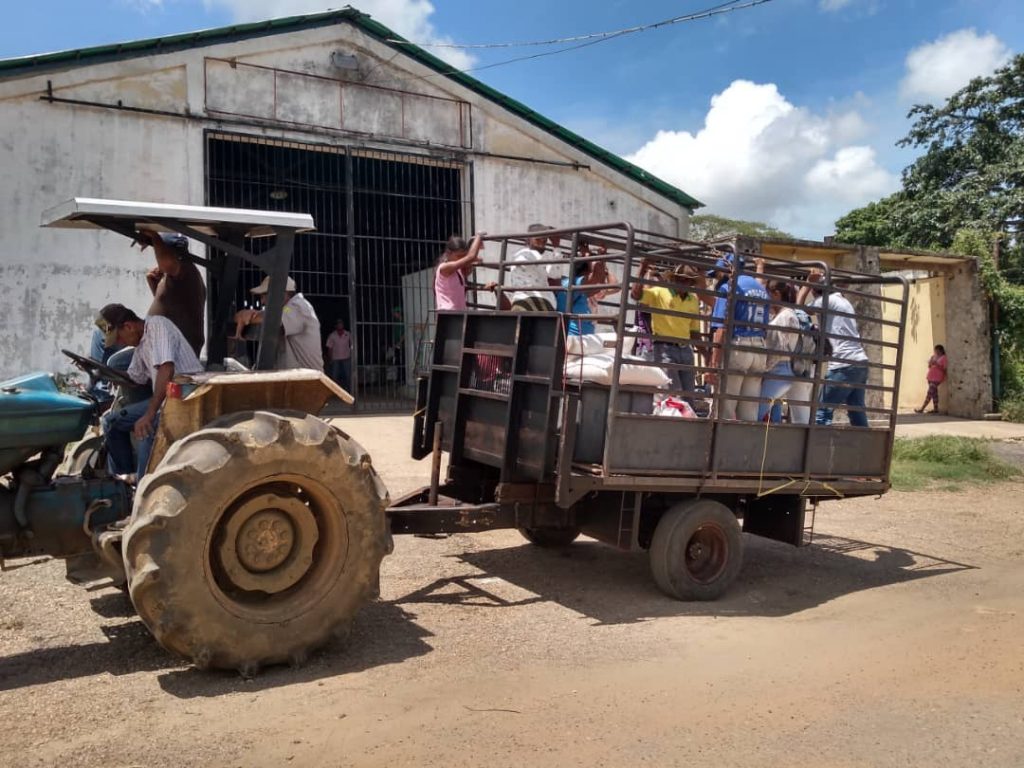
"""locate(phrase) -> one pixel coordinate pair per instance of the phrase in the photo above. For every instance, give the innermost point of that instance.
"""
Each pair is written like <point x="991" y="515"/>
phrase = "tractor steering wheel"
<point x="98" y="370"/>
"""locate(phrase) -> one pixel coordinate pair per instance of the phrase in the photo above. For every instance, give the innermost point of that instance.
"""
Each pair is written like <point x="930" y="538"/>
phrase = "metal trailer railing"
<point x="607" y="436"/>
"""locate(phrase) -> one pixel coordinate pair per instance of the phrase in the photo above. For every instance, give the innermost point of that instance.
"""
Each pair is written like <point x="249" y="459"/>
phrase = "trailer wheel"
<point x="256" y="540"/>
<point x="697" y="550"/>
<point x="551" y="538"/>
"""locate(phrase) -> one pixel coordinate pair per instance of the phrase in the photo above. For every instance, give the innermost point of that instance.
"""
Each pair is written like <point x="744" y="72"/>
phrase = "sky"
<point x="787" y="112"/>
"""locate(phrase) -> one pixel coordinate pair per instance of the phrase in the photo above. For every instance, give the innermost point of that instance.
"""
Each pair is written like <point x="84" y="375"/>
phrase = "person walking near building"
<point x="455" y="265"/>
<point x="339" y="353"/>
<point x="847" y="365"/>
<point x="937" y="365"/>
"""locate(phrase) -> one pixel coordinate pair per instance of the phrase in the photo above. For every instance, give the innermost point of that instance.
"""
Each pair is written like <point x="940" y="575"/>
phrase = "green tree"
<point x="969" y="175"/>
<point x="710" y="227"/>
<point x="874" y="224"/>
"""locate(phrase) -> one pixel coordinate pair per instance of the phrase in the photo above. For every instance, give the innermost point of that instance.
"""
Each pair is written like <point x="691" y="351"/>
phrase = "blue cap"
<point x="724" y="264"/>
<point x="174" y="240"/>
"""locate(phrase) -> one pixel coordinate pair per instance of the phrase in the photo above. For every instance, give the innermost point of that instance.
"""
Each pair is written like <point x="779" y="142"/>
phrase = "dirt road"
<point x="895" y="640"/>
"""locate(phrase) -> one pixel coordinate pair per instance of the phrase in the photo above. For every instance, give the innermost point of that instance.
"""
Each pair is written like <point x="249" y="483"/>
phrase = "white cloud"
<point x="409" y="18"/>
<point x="833" y="5"/>
<point x="936" y="70"/>
<point x="760" y="157"/>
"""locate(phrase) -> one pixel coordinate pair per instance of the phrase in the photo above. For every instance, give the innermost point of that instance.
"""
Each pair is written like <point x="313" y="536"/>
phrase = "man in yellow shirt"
<point x="672" y="334"/>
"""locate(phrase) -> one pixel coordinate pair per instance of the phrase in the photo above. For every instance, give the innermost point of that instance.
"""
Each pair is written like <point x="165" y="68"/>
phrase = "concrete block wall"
<point x="968" y="343"/>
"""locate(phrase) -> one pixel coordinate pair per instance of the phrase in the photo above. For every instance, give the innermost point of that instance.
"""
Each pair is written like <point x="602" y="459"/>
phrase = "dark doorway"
<point x="381" y="220"/>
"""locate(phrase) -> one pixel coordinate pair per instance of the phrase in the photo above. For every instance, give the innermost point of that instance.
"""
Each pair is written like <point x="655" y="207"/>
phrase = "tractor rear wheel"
<point x="697" y="550"/>
<point x="256" y="540"/>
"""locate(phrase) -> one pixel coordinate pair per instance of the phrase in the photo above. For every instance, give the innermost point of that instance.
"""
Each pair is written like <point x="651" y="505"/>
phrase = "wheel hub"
<point x="267" y="542"/>
<point x="706" y="553"/>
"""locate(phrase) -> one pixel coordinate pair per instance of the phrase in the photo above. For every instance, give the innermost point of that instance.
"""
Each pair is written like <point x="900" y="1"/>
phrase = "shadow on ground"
<point x="617" y="588"/>
<point x="130" y="648"/>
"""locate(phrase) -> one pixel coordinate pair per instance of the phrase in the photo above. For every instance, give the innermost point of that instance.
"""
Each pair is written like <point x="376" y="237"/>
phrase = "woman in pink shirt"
<point x="456" y="263"/>
<point x="936" y="375"/>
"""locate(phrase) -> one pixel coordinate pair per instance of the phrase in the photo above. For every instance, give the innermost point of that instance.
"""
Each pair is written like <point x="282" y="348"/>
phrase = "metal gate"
<point x="381" y="220"/>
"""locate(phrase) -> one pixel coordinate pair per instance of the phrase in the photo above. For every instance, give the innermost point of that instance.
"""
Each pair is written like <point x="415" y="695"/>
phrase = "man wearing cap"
<point x="179" y="293"/>
<point x="525" y="276"/>
<point x="300" y="344"/>
<point x="672" y="334"/>
<point x="746" y="360"/>
<point x="161" y="353"/>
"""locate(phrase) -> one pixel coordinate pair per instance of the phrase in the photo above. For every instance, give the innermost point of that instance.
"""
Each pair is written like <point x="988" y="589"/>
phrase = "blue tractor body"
<point x="35" y="415"/>
<point x="41" y="514"/>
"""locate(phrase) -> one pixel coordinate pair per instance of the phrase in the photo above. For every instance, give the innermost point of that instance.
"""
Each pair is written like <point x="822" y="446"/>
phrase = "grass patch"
<point x="1012" y="409"/>
<point x="926" y="462"/>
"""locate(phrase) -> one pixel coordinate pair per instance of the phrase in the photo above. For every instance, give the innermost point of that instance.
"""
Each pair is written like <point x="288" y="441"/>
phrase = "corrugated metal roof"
<point x="31" y="65"/>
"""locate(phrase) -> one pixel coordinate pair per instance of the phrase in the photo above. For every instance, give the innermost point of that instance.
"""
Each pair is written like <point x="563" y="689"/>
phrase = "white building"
<point x="387" y="148"/>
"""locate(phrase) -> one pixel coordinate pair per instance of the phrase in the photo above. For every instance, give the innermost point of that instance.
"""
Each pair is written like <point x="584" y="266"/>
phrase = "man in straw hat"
<point x="300" y="347"/>
<point x="672" y="334"/>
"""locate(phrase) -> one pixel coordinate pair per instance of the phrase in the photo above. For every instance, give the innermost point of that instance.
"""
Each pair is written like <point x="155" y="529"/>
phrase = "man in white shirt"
<point x="525" y="276"/>
<point x="847" y="365"/>
<point x="161" y="353"/>
<point x="300" y="345"/>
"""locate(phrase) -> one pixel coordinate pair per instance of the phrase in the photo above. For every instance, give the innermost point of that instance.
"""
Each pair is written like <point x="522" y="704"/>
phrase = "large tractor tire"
<point x="256" y="540"/>
<point x="697" y="550"/>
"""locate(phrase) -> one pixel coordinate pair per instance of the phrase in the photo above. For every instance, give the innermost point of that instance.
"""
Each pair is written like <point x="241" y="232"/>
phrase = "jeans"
<point x="680" y="354"/>
<point x="117" y="426"/>
<point x="341" y="372"/>
<point x="797" y="387"/>
<point x="841" y="388"/>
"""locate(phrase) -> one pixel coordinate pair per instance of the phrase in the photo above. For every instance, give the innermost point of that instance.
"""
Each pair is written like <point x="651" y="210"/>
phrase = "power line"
<point x="726" y="7"/>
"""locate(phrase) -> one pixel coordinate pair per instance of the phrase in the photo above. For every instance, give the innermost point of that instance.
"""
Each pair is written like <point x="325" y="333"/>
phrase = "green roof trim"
<point x="31" y="65"/>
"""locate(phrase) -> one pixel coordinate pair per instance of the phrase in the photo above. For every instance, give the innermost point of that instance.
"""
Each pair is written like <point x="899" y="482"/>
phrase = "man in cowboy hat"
<point x="672" y="335"/>
<point x="300" y="328"/>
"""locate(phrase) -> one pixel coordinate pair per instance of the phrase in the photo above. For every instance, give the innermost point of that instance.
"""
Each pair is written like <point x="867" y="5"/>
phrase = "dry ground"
<point x="895" y="640"/>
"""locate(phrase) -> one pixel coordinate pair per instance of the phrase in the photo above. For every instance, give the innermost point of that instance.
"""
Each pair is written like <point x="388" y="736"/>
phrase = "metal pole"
<point x="435" y="467"/>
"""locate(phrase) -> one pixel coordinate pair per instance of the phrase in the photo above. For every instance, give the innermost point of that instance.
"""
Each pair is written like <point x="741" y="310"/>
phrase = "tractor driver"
<point x="161" y="353"/>
<point x="300" y="344"/>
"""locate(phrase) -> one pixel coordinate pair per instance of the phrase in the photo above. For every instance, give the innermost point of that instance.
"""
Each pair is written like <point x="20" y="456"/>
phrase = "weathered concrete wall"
<point x="968" y="343"/>
<point x="53" y="281"/>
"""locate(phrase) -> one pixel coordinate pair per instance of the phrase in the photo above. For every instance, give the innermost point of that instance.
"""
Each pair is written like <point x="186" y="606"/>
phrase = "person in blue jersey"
<point x="584" y="274"/>
<point x="745" y="361"/>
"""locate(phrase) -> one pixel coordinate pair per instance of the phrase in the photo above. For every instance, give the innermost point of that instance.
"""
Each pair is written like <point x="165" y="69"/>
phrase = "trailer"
<point x="535" y="444"/>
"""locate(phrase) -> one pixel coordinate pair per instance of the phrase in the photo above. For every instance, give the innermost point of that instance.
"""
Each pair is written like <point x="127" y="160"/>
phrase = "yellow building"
<point x="947" y="306"/>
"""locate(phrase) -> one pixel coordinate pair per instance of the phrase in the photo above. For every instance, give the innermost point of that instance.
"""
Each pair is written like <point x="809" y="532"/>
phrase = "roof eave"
<point x="32" y="65"/>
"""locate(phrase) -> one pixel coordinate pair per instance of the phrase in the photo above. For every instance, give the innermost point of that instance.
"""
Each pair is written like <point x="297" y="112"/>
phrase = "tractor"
<point x="259" y="528"/>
